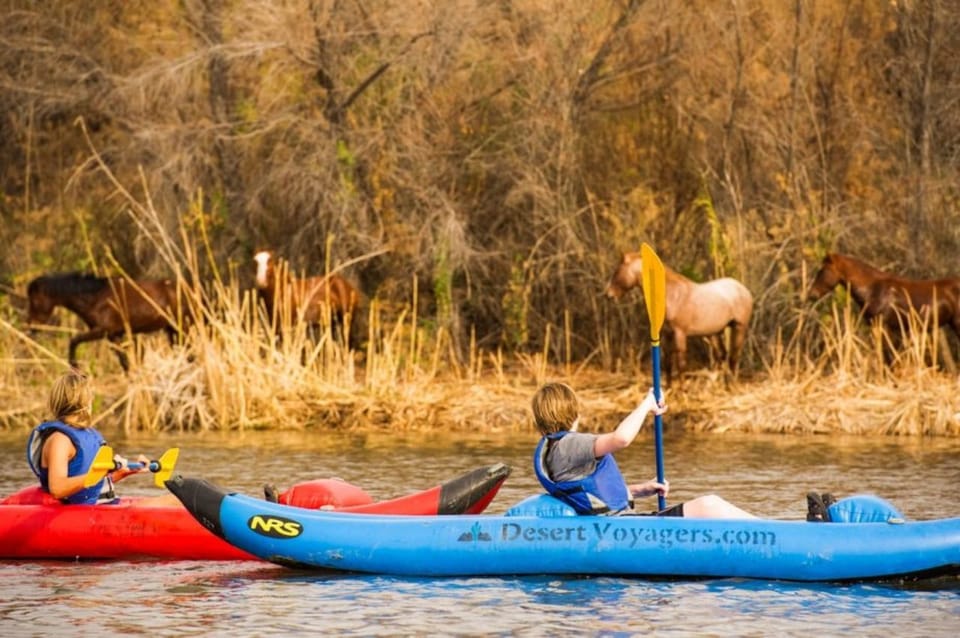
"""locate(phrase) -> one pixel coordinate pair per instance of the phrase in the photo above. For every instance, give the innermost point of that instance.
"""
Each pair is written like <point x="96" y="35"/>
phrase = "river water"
<point x="767" y="474"/>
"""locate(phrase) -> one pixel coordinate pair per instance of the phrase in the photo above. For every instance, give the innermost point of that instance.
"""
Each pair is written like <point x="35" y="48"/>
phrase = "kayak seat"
<point x="329" y="493"/>
<point x="32" y="495"/>
<point x="541" y="506"/>
<point x="864" y="508"/>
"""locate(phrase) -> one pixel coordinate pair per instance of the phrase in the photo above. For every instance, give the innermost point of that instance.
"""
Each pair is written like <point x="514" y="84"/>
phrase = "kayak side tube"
<point x="644" y="546"/>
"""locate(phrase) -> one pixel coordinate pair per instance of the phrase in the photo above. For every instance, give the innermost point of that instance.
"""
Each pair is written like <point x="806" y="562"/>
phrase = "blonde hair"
<point x="555" y="408"/>
<point x="71" y="399"/>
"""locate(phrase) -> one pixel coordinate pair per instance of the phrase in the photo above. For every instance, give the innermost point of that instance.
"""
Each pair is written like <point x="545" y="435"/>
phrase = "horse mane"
<point x="673" y="274"/>
<point x="68" y="283"/>
<point x="859" y="262"/>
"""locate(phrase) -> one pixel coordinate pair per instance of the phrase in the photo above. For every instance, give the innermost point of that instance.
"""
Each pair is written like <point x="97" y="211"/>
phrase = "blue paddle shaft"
<point x="658" y="422"/>
<point x="153" y="466"/>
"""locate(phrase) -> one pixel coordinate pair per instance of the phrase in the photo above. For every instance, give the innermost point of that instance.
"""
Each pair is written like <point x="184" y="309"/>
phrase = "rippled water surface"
<point x="766" y="474"/>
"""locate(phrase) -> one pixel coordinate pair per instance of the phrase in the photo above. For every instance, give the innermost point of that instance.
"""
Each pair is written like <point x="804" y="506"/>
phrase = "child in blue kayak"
<point x="61" y="451"/>
<point x="579" y="469"/>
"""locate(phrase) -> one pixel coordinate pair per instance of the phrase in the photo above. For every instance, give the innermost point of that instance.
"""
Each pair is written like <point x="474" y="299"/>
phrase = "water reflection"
<point x="243" y="599"/>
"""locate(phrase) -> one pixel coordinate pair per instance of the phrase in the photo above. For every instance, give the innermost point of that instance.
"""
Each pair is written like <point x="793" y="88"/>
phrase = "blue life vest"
<point x="87" y="442"/>
<point x="601" y="492"/>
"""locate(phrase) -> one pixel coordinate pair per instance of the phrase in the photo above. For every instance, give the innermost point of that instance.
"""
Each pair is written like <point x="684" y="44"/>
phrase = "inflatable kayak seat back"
<point x="864" y="508"/>
<point x="329" y="493"/>
<point x="541" y="506"/>
<point x="32" y="495"/>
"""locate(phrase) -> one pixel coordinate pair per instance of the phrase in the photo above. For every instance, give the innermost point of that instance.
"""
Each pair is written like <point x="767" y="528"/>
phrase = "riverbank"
<point x="230" y="377"/>
<point x="924" y="403"/>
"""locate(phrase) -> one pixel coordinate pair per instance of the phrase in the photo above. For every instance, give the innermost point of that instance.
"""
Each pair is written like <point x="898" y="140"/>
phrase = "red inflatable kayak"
<point x="34" y="525"/>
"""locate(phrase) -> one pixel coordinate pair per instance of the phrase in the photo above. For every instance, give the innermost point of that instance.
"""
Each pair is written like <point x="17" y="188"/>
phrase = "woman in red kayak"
<point x="61" y="451"/>
<point x="578" y="468"/>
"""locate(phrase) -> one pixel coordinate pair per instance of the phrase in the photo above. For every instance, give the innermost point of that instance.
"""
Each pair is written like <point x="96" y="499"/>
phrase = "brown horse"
<point x="110" y="307"/>
<point x="312" y="300"/>
<point x="889" y="298"/>
<point x="694" y="309"/>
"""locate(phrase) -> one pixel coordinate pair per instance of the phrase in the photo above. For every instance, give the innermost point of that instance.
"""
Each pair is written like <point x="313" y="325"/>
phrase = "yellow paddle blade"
<point x="102" y="463"/>
<point x="166" y="462"/>
<point x="654" y="289"/>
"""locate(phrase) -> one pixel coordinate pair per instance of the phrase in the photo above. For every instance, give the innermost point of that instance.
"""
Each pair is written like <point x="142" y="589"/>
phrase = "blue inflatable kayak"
<point x="546" y="539"/>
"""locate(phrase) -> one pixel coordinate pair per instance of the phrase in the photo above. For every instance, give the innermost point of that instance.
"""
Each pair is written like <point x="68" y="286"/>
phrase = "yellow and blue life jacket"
<point x="603" y="491"/>
<point x="87" y="442"/>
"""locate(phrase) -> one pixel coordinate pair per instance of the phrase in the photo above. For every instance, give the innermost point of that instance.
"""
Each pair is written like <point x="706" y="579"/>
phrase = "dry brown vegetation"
<point x="475" y="167"/>
<point x="233" y="372"/>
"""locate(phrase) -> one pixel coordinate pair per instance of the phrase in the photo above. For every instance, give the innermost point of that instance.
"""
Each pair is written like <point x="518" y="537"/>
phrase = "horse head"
<point x="826" y="280"/>
<point x="264" y="277"/>
<point x="40" y="304"/>
<point x="626" y="276"/>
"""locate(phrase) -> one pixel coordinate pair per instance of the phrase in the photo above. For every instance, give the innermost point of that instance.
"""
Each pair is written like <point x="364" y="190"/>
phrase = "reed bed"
<point x="862" y="381"/>
<point x="234" y="372"/>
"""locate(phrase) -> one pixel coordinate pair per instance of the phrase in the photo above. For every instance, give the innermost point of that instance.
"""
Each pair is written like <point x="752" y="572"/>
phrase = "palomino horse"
<point x="312" y="300"/>
<point x="889" y="298"/>
<point x="694" y="310"/>
<point x="108" y="306"/>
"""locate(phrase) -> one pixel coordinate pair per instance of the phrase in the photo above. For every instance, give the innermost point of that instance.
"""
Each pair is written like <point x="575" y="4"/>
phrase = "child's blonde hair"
<point x="555" y="408"/>
<point x="71" y="399"/>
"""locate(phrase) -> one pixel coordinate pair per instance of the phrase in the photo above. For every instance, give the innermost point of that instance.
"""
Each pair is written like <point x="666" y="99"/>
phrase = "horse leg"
<point x="955" y="326"/>
<point x="718" y="350"/>
<point x="115" y="340"/>
<point x="680" y="350"/>
<point x="946" y="343"/>
<point x="668" y="353"/>
<point x="738" y="335"/>
<point x="177" y="338"/>
<point x="313" y="337"/>
<point x="337" y="331"/>
<point x="943" y="340"/>
<point x="891" y="339"/>
<point x="83" y="337"/>
<point x="349" y="330"/>
<point x="358" y="324"/>
<point x="173" y="335"/>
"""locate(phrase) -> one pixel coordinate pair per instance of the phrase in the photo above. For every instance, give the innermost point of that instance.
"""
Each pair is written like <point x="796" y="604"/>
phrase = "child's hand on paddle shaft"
<point x="652" y="405"/>
<point x="650" y="488"/>
<point x="125" y="470"/>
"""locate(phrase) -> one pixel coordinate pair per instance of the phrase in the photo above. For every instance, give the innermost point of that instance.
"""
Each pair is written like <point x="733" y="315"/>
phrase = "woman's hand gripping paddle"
<point x="655" y="296"/>
<point x="103" y="463"/>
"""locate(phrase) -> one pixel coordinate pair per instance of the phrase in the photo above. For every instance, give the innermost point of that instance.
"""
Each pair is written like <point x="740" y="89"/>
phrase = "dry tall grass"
<point x="862" y="381"/>
<point x="233" y="372"/>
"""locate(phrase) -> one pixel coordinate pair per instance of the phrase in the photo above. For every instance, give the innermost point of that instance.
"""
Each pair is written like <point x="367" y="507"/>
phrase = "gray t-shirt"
<point x="571" y="457"/>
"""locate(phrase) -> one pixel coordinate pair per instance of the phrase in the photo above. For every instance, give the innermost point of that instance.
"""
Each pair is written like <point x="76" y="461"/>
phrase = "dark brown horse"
<point x="110" y="307"/>
<point x="315" y="301"/>
<point x="694" y="309"/>
<point x="887" y="297"/>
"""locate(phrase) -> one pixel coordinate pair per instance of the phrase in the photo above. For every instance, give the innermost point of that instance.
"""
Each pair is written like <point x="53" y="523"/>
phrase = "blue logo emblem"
<point x="475" y="534"/>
